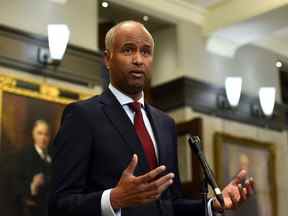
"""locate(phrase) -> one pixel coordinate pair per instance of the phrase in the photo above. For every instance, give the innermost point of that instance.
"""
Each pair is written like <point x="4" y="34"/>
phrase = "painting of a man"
<point x="34" y="172"/>
<point x="28" y="126"/>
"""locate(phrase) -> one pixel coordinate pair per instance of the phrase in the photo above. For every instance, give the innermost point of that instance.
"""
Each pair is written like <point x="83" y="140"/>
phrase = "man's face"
<point x="41" y="136"/>
<point x="130" y="59"/>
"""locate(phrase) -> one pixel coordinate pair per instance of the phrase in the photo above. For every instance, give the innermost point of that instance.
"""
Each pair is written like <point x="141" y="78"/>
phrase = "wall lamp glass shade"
<point x="267" y="99"/>
<point x="58" y="37"/>
<point x="233" y="87"/>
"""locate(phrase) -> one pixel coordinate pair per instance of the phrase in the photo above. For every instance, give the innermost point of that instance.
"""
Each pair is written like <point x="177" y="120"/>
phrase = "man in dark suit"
<point x="117" y="155"/>
<point x="34" y="173"/>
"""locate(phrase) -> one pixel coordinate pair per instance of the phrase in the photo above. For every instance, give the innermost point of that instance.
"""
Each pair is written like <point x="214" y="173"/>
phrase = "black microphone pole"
<point x="194" y="142"/>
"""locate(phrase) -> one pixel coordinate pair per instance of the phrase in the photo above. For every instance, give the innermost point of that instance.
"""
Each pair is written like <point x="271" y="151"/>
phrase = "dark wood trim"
<point x="202" y="97"/>
<point x="41" y="40"/>
<point x="283" y="76"/>
<point x="18" y="50"/>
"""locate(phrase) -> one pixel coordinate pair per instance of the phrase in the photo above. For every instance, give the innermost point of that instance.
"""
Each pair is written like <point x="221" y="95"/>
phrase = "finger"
<point x="234" y="200"/>
<point x="156" y="192"/>
<point x="252" y="184"/>
<point x="228" y="203"/>
<point x="151" y="195"/>
<point x="150" y="199"/>
<point x="148" y="177"/>
<point x="132" y="165"/>
<point x="249" y="187"/>
<point x="156" y="185"/>
<point x="155" y="197"/>
<point x="165" y="185"/>
<point x="243" y="192"/>
<point x="217" y="205"/>
<point x="240" y="177"/>
<point x="165" y="179"/>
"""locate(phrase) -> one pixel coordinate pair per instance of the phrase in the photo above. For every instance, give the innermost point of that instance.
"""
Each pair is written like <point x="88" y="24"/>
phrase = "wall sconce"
<point x="233" y="87"/>
<point x="267" y="100"/>
<point x="265" y="106"/>
<point x="58" y="37"/>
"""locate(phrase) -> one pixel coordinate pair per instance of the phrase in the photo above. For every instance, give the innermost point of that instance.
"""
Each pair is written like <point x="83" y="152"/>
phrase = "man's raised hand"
<point x="135" y="190"/>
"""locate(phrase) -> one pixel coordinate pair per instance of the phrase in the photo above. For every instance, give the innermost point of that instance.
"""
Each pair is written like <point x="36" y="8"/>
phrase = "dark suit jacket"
<point x="92" y="148"/>
<point x="30" y="163"/>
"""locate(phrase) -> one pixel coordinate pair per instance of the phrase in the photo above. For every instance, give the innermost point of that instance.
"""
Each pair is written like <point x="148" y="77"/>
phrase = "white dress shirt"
<point x="124" y="100"/>
<point x="47" y="158"/>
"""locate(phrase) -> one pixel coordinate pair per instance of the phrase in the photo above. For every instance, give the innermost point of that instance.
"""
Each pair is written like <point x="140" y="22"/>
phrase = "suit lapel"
<point x="119" y="119"/>
<point x="158" y="133"/>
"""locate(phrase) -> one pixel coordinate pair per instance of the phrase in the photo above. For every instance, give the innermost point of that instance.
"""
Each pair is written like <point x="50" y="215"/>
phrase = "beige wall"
<point x="213" y="124"/>
<point x="34" y="15"/>
<point x="184" y="54"/>
<point x="165" y="55"/>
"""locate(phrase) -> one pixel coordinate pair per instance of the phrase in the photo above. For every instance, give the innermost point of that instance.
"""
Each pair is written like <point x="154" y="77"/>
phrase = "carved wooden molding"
<point x="18" y="50"/>
<point x="202" y="97"/>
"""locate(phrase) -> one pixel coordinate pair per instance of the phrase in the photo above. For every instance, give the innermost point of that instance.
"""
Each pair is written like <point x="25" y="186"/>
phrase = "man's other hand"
<point x="135" y="190"/>
<point x="237" y="191"/>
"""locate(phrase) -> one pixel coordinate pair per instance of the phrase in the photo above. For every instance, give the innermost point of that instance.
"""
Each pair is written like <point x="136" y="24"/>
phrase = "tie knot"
<point x="135" y="106"/>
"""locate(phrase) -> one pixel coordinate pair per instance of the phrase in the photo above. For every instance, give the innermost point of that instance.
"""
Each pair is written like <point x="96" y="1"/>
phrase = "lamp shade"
<point x="58" y="37"/>
<point x="233" y="87"/>
<point x="267" y="99"/>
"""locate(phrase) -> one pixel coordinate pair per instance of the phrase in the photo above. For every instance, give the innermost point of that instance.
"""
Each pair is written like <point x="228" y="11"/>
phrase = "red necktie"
<point x="143" y="135"/>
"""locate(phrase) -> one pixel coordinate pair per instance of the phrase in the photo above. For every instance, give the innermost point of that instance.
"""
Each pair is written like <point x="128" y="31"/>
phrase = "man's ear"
<point x="107" y="56"/>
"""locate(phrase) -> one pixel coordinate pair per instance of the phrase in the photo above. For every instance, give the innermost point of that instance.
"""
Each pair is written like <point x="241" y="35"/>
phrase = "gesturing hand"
<point x="37" y="181"/>
<point x="237" y="191"/>
<point x="132" y="190"/>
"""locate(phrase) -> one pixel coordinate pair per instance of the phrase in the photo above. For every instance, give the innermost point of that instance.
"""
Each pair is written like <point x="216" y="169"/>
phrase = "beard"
<point x="131" y="84"/>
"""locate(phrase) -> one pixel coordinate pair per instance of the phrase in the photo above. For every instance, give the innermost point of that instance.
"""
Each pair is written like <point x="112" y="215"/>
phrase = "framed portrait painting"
<point x="22" y="103"/>
<point x="235" y="153"/>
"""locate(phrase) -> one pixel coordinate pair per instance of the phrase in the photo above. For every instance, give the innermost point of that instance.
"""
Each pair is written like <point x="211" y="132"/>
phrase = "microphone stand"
<point x="205" y="182"/>
<point x="204" y="195"/>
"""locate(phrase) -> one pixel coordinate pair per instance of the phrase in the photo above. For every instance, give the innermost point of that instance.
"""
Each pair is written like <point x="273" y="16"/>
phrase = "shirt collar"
<point x="123" y="98"/>
<point x="42" y="155"/>
<point x="39" y="151"/>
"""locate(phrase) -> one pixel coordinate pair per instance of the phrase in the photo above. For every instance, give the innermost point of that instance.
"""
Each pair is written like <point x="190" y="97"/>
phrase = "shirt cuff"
<point x="106" y="208"/>
<point x="209" y="206"/>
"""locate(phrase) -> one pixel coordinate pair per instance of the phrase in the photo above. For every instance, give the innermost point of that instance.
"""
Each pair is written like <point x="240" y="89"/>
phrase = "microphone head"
<point x="194" y="142"/>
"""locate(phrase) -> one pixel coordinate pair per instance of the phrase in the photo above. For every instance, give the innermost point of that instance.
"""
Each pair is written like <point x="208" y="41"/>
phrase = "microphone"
<point x="194" y="142"/>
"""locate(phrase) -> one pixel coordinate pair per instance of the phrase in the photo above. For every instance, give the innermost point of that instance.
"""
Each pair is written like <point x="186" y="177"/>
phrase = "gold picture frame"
<point x="37" y="90"/>
<point x="233" y="153"/>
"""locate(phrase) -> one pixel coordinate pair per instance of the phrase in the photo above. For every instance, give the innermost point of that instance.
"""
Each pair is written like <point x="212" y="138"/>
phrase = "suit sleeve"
<point x="182" y="206"/>
<point x="71" y="166"/>
<point x="23" y="180"/>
